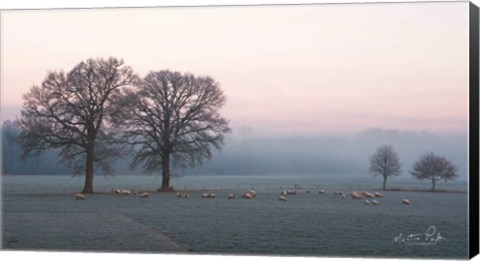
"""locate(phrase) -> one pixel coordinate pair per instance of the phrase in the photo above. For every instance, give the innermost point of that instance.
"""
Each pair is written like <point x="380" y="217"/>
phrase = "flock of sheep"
<point x="251" y="194"/>
<point x="124" y="192"/>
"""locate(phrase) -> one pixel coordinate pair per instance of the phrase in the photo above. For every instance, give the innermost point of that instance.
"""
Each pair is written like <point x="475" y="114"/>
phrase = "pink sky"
<point x="287" y="70"/>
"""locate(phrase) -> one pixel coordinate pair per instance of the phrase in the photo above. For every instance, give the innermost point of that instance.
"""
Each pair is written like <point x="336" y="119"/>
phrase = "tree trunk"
<point x="88" y="188"/>
<point x="384" y="182"/>
<point x="433" y="184"/>
<point x="165" y="173"/>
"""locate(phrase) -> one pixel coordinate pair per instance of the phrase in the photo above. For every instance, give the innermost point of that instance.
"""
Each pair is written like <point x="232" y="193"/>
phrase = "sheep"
<point x="321" y="191"/>
<point x="378" y="194"/>
<point x="207" y="195"/>
<point x="291" y="192"/>
<point x="144" y="195"/>
<point x="375" y="202"/>
<point x="123" y="192"/>
<point x="343" y="196"/>
<point x="248" y="195"/>
<point x="283" y="193"/>
<point x="367" y="202"/>
<point x="183" y="195"/>
<point x="79" y="196"/>
<point x="231" y="196"/>
<point x="368" y="195"/>
<point x="356" y="195"/>
<point x="406" y="201"/>
<point x="251" y="194"/>
<point x="282" y="199"/>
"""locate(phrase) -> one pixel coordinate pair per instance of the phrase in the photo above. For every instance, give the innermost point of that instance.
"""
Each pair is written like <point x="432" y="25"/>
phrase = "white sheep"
<point x="282" y="199"/>
<point x="126" y="192"/>
<point x="406" y="201"/>
<point x="79" y="196"/>
<point x="291" y="192"/>
<point x="183" y="195"/>
<point x="208" y="195"/>
<point x="248" y="195"/>
<point x="356" y="195"/>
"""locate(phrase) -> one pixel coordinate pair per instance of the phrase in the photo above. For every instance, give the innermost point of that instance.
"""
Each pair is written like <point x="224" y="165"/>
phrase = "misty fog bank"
<point x="247" y="154"/>
<point x="330" y="154"/>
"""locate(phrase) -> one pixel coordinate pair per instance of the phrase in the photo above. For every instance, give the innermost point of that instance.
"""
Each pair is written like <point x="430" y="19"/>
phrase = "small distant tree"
<point x="173" y="120"/>
<point x="385" y="162"/>
<point x="70" y="112"/>
<point x="435" y="168"/>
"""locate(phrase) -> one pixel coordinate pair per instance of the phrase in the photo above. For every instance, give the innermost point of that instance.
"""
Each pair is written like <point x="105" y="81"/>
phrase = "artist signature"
<point x="430" y="238"/>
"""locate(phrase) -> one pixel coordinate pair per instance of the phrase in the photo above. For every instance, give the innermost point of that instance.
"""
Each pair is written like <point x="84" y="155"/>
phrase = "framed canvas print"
<point x="319" y="130"/>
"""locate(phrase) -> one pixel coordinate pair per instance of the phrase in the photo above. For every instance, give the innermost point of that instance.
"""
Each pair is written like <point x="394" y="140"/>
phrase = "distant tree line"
<point x="386" y="163"/>
<point x="47" y="163"/>
<point x="12" y="163"/>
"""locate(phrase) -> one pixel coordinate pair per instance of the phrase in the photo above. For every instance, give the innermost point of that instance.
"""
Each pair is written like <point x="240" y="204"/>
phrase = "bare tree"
<point x="173" y="120"/>
<point x="385" y="163"/>
<point x="70" y="112"/>
<point x="435" y="168"/>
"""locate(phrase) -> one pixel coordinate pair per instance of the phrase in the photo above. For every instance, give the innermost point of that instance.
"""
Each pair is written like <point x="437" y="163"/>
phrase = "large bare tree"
<point x="435" y="168"/>
<point x="70" y="112"/>
<point x="174" y="120"/>
<point x="386" y="163"/>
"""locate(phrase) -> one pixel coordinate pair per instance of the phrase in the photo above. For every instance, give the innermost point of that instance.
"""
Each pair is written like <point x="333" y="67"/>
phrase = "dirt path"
<point x="100" y="232"/>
